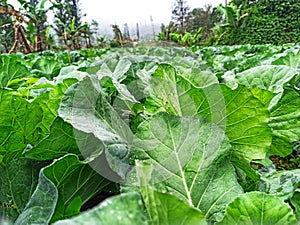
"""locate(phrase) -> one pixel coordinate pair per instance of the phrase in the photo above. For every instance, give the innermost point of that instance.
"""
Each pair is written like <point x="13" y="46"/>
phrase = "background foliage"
<point x="266" y="22"/>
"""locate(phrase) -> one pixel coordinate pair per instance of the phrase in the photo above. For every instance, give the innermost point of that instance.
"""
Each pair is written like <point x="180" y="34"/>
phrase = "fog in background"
<point x="148" y="14"/>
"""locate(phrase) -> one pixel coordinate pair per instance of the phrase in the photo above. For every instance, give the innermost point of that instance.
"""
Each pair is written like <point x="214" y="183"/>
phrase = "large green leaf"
<point x="169" y="210"/>
<point x="41" y="205"/>
<point x="285" y="122"/>
<point x="280" y="183"/>
<point x="164" y="208"/>
<point x="86" y="109"/>
<point x="246" y="125"/>
<point x="183" y="95"/>
<point x="258" y="208"/>
<point x="10" y="69"/>
<point x="291" y="57"/>
<point x="32" y="119"/>
<point x="243" y="116"/>
<point x="53" y="130"/>
<point x="46" y="67"/>
<point x="24" y="124"/>
<point x="188" y="158"/>
<point x="18" y="181"/>
<point x="19" y="123"/>
<point x="63" y="187"/>
<point x="114" y="68"/>
<point x="125" y="209"/>
<point x="75" y="180"/>
<point x="267" y="77"/>
<point x="51" y="146"/>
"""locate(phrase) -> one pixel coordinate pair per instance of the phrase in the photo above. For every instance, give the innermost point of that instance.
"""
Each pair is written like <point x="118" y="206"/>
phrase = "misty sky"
<point x="132" y="11"/>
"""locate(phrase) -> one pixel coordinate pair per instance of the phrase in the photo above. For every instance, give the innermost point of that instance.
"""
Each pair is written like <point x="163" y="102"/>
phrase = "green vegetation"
<point x="98" y="131"/>
<point x="239" y="22"/>
<point x="151" y="136"/>
<point x="261" y="22"/>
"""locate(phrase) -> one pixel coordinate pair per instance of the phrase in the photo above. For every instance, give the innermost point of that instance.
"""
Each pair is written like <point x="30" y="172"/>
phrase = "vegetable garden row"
<point x="151" y="136"/>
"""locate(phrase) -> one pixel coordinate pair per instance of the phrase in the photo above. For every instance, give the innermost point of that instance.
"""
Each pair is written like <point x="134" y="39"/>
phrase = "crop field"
<point x="151" y="135"/>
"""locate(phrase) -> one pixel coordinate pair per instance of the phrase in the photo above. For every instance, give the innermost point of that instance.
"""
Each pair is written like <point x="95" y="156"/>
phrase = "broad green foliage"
<point x="167" y="135"/>
<point x="86" y="109"/>
<point x="282" y="184"/>
<point x="284" y="113"/>
<point x="268" y="77"/>
<point x="74" y="180"/>
<point x="17" y="184"/>
<point x="246" y="126"/>
<point x="50" y="147"/>
<point x="285" y="121"/>
<point x="41" y="205"/>
<point x="19" y="122"/>
<point x="62" y="186"/>
<point x="48" y="68"/>
<point x="266" y="22"/>
<point x="185" y="152"/>
<point x="176" y="211"/>
<point x="242" y="115"/>
<point x="123" y="209"/>
<point x="258" y="208"/>
<point x="11" y="69"/>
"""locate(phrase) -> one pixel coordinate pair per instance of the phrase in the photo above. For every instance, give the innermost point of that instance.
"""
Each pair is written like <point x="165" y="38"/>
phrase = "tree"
<point x="93" y="31"/>
<point x="20" y="39"/>
<point x="118" y="36"/>
<point x="36" y="29"/>
<point x="65" y="13"/>
<point x="205" y="17"/>
<point x="137" y="31"/>
<point x="234" y="21"/>
<point x="180" y="13"/>
<point x="73" y="34"/>
<point x="6" y="30"/>
<point x="126" y="34"/>
<point x="152" y="25"/>
<point x="33" y="14"/>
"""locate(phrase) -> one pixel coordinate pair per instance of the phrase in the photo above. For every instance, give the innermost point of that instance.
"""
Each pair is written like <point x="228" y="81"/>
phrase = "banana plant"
<point x="233" y="15"/>
<point x="36" y="12"/>
<point x="233" y="19"/>
<point x="49" y="39"/>
<point x="188" y="39"/>
<point x="72" y="34"/>
<point x="101" y="41"/>
<point x="165" y="32"/>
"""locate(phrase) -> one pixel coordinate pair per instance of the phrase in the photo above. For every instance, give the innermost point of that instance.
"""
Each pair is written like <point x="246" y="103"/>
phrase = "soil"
<point x="289" y="162"/>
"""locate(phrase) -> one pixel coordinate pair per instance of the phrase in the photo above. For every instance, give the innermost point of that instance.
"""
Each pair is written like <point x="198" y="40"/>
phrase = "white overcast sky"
<point x="133" y="11"/>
